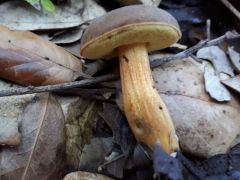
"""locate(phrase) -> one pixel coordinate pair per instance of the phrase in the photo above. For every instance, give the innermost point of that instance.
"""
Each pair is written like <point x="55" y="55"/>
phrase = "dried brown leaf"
<point x="40" y="153"/>
<point x="27" y="59"/>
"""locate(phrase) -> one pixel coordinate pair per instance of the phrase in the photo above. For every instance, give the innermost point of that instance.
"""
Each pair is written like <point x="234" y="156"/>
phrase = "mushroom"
<point x="131" y="32"/>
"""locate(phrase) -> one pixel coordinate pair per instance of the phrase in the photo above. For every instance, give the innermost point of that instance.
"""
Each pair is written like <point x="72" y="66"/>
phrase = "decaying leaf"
<point x="40" y="154"/>
<point x="94" y="153"/>
<point x="235" y="58"/>
<point x="204" y="127"/>
<point x="30" y="60"/>
<point x="115" y="167"/>
<point x="82" y="116"/>
<point x="165" y="164"/>
<point x="20" y="15"/>
<point x="218" y="58"/>
<point x="121" y="132"/>
<point x="233" y="83"/>
<point x="214" y="87"/>
<point x="68" y="36"/>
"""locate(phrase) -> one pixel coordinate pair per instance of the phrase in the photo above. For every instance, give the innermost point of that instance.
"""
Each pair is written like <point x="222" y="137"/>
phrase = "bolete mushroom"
<point x="131" y="32"/>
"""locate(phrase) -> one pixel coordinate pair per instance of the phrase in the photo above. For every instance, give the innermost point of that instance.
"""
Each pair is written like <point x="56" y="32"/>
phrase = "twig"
<point x="208" y="23"/>
<point x="231" y="8"/>
<point x="32" y="89"/>
<point x="186" y="53"/>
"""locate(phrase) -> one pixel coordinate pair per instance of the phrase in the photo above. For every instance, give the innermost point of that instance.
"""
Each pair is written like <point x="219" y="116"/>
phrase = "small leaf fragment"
<point x="235" y="58"/>
<point x="214" y="87"/>
<point x="35" y="4"/>
<point x="9" y="134"/>
<point x="233" y="83"/>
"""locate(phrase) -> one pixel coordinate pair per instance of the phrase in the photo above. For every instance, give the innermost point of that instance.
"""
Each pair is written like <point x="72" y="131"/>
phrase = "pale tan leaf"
<point x="204" y="127"/>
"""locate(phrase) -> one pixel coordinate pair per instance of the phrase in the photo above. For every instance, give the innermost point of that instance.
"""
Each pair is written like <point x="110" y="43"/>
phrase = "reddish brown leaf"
<point x="28" y="59"/>
<point x="39" y="155"/>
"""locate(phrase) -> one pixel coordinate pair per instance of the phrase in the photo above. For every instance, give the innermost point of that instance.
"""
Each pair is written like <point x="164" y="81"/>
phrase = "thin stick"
<point x="208" y="23"/>
<point x="32" y="89"/>
<point x="231" y="8"/>
<point x="186" y="53"/>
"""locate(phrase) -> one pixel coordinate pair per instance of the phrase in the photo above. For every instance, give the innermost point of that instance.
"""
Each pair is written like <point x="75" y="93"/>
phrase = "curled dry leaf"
<point x="204" y="126"/>
<point x="40" y="154"/>
<point x="27" y="59"/>
<point x="218" y="58"/>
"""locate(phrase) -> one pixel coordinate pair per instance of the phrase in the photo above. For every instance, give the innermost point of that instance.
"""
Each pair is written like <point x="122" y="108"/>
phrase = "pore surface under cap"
<point x="128" y="25"/>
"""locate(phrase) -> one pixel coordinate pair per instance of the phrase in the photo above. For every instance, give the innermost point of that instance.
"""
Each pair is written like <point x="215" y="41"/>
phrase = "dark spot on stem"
<point x="46" y="58"/>
<point x="125" y="58"/>
<point x="160" y="107"/>
<point x="9" y="41"/>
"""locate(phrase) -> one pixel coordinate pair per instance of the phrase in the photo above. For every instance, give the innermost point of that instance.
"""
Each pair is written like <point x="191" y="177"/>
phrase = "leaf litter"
<point x="118" y="156"/>
<point x="21" y="16"/>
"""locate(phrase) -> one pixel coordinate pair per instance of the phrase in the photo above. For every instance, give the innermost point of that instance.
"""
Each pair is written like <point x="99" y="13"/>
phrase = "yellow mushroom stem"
<point x="146" y="112"/>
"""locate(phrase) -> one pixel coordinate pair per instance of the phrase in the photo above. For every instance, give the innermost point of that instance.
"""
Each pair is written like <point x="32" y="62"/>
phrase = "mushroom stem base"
<point x="146" y="112"/>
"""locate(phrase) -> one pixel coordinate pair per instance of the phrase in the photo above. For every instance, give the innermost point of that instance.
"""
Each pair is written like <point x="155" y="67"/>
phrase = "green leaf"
<point x="48" y="5"/>
<point x="32" y="1"/>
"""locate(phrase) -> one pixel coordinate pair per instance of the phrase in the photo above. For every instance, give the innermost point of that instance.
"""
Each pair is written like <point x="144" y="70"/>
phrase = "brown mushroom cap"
<point x="129" y="25"/>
